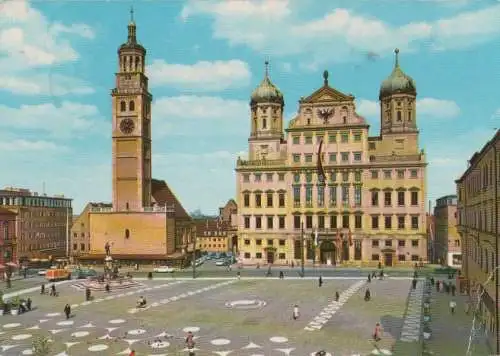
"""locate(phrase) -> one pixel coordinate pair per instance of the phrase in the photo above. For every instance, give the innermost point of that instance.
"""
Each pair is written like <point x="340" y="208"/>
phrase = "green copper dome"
<point x="266" y="92"/>
<point x="398" y="82"/>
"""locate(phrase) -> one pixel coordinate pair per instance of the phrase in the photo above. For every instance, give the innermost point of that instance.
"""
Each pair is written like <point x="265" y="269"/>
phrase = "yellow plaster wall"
<point x="148" y="232"/>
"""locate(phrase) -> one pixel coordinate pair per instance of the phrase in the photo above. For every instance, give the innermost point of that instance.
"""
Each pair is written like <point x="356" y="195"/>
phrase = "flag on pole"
<point x="319" y="164"/>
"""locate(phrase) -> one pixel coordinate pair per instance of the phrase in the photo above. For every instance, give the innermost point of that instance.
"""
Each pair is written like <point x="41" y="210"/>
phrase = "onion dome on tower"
<point x="267" y="92"/>
<point x="398" y="82"/>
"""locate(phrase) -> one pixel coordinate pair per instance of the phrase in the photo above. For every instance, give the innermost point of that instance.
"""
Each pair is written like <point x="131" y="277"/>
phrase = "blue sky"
<point x="58" y="59"/>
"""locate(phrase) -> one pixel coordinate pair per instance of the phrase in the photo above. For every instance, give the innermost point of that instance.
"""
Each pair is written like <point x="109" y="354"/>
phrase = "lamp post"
<point x="302" y="257"/>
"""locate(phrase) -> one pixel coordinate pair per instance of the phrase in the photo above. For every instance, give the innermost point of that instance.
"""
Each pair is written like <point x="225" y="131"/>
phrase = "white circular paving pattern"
<point x="193" y="329"/>
<point x="160" y="345"/>
<point x="51" y="315"/>
<point x="278" y="339"/>
<point x="21" y="337"/>
<point x="80" y="334"/>
<point x="66" y="323"/>
<point x="117" y="321"/>
<point x="220" y="342"/>
<point x="11" y="325"/>
<point x="98" y="348"/>
<point x="136" y="332"/>
<point x="246" y="304"/>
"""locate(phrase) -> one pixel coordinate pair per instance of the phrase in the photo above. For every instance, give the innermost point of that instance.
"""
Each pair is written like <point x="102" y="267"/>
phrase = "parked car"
<point x="42" y="272"/>
<point x="163" y="269"/>
<point x="224" y="262"/>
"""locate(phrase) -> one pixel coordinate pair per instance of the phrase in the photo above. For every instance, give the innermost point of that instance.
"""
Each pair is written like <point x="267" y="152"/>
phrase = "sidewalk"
<point x="450" y="333"/>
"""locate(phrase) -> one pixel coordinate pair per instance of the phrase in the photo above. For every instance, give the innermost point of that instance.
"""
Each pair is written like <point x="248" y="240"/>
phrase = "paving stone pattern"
<point x="413" y="317"/>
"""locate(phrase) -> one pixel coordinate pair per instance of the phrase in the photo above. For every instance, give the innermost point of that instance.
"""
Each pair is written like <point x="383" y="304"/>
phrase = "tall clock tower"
<point x="131" y="110"/>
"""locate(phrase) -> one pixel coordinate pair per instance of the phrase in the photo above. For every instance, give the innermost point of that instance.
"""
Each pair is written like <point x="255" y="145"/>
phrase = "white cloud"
<point x="339" y="34"/>
<point x="65" y="121"/>
<point x="20" y="145"/>
<point x="202" y="76"/>
<point x="199" y="115"/>
<point x="426" y="107"/>
<point x="44" y="84"/>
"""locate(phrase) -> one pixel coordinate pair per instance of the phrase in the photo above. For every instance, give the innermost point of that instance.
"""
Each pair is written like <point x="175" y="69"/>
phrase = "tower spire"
<point x="266" y="63"/>
<point x="131" y="28"/>
<point x="396" y="61"/>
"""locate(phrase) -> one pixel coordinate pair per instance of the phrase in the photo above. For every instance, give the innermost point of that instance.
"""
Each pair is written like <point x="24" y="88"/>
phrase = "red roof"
<point x="204" y="225"/>
<point x="163" y="195"/>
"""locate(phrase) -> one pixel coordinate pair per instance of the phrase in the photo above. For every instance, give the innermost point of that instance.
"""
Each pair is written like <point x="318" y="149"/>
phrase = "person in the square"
<point x="320" y="281"/>
<point x="453" y="305"/>
<point x="368" y="295"/>
<point x="377" y="333"/>
<point x="337" y="296"/>
<point x="295" y="312"/>
<point x="67" y="311"/>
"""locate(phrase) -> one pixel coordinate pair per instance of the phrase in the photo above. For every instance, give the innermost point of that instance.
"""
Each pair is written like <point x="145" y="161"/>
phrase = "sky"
<point x="58" y="59"/>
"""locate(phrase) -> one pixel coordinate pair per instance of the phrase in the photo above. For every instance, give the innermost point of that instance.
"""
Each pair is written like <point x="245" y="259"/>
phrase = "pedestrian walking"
<point x="453" y="289"/>
<point x="295" y="313"/>
<point x="320" y="281"/>
<point x="67" y="311"/>
<point x="453" y="305"/>
<point x="377" y="333"/>
<point x="337" y="296"/>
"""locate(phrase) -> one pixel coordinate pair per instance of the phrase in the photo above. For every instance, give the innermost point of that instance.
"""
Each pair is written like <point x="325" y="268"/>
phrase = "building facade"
<point x="478" y="226"/>
<point x="371" y="207"/>
<point x="8" y="223"/>
<point x="43" y="222"/>
<point x="146" y="223"/>
<point x="80" y="230"/>
<point x="447" y="249"/>
<point x="213" y="235"/>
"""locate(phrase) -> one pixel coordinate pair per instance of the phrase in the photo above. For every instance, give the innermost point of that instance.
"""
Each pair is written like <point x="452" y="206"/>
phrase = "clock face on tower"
<point x="127" y="126"/>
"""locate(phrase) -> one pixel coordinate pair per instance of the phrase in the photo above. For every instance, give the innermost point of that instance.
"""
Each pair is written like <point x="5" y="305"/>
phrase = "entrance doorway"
<point x="328" y="253"/>
<point x="388" y="259"/>
<point x="270" y="257"/>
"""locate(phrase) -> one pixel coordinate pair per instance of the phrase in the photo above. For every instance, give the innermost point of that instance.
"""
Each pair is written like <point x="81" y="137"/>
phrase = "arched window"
<point x="137" y="64"/>
<point x="399" y="116"/>
<point x="344" y="119"/>
<point x="127" y="233"/>
<point x="264" y="123"/>
<point x="409" y="116"/>
<point x="131" y="105"/>
<point x="123" y="106"/>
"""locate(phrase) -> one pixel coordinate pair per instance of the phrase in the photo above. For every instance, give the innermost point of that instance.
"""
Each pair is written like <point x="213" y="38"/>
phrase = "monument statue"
<point x="108" y="249"/>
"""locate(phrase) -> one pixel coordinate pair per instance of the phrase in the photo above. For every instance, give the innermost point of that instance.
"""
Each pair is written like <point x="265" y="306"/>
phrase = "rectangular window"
<point x="281" y="221"/>
<point x="344" y="156"/>
<point x="247" y="222"/>
<point x="309" y="158"/>
<point x="357" y="196"/>
<point x="344" y="137"/>
<point x="269" y="199"/>
<point x="375" y="222"/>
<point x="282" y="256"/>
<point x="374" y="198"/>
<point x="332" y="157"/>
<point x="282" y="242"/>
<point x="374" y="174"/>
<point x="270" y="242"/>
<point x="414" y="222"/>
<point x="321" y="195"/>
<point x="258" y="222"/>
<point x="375" y="257"/>
<point x="414" y="258"/>
<point x="413" y="173"/>
<point x="357" y="137"/>
<point x="296" y="222"/>
<point x="309" y="177"/>
<point x="270" y="222"/>
<point x="257" y="177"/>
<point x="321" y="221"/>
<point x="375" y="243"/>
<point x="357" y="176"/>
<point x="258" y="255"/>
<point x="333" y="176"/>
<point x="296" y="140"/>
<point x="332" y="138"/>
<point x="357" y="221"/>
<point x="296" y="178"/>
<point x="309" y="221"/>
<point x="258" y="200"/>
<point x="258" y="242"/>
<point x="296" y="195"/>
<point x="414" y="198"/>
<point x="269" y="177"/>
<point x="388" y="222"/>
<point x="414" y="243"/>
<point x="401" y="222"/>
<point x="401" y="243"/>
<point x="296" y="158"/>
<point x="309" y="140"/>
<point x="75" y="246"/>
<point x="345" y="195"/>
<point x="246" y="200"/>
<point x="333" y="221"/>
<point x="371" y="145"/>
<point x="246" y="178"/>
<point x="333" y="196"/>
<point x="309" y="193"/>
<point x="357" y="156"/>
<point x="388" y="198"/>
<point x="401" y="173"/>
<point x="281" y="200"/>
<point x="281" y="177"/>
<point x="345" y="221"/>
<point x="247" y="255"/>
<point x="297" y="249"/>
<point x="388" y="243"/>
<point x="401" y="198"/>
<point x="387" y="174"/>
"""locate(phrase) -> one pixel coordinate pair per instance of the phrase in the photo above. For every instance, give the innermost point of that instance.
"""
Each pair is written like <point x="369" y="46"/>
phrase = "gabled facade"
<point x="371" y="208"/>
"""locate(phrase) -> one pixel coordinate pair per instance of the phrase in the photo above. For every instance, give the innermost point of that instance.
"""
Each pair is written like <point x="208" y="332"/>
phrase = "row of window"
<point x="345" y="137"/>
<point x="374" y="257"/>
<point x="482" y="257"/>
<point x="478" y="180"/>
<point x="400" y="223"/>
<point x="213" y="239"/>
<point x="478" y="218"/>
<point x="212" y="246"/>
<point x="41" y="246"/>
<point x="332" y="176"/>
<point x="36" y="201"/>
<point x="332" y="157"/>
<point x="82" y="247"/>
<point x="375" y="243"/>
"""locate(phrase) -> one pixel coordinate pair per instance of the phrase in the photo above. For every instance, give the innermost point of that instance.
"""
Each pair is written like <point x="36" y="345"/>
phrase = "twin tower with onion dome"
<point x="370" y="209"/>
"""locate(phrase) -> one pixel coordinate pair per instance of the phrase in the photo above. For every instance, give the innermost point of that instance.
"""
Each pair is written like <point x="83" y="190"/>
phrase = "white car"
<point x="163" y="269"/>
<point x="221" y="263"/>
<point x="42" y="272"/>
